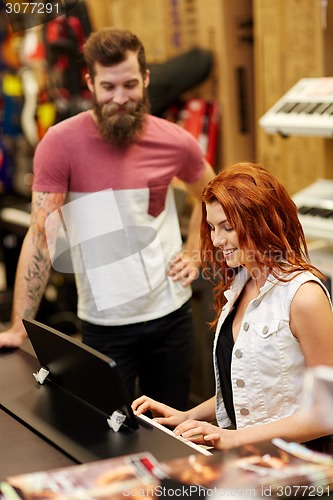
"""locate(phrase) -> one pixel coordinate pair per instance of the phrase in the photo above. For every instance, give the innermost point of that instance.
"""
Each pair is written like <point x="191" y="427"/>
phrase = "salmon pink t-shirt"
<point x="120" y="221"/>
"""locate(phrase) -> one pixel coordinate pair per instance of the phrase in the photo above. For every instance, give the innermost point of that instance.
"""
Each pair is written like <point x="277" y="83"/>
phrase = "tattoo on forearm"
<point x="38" y="268"/>
<point x="37" y="273"/>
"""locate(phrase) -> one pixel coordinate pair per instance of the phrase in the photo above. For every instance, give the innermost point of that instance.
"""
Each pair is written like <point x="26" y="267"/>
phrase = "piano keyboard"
<point x="315" y="209"/>
<point x="306" y="109"/>
<point x="204" y="450"/>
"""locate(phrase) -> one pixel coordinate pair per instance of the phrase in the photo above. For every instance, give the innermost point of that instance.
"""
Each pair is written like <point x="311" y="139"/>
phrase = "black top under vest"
<point x="224" y="347"/>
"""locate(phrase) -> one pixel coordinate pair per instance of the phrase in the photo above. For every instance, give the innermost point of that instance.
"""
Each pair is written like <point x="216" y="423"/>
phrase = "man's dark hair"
<point x="109" y="46"/>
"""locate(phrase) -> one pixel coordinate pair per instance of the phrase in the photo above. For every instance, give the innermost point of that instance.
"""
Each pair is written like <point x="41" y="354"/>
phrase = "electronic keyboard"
<point x="306" y="109"/>
<point x="315" y="209"/>
<point x="204" y="450"/>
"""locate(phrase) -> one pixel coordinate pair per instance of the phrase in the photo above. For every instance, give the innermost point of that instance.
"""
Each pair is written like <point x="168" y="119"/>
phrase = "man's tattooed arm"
<point x="34" y="266"/>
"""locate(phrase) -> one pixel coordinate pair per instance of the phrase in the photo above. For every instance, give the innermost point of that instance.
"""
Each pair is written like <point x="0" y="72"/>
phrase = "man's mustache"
<point x="111" y="109"/>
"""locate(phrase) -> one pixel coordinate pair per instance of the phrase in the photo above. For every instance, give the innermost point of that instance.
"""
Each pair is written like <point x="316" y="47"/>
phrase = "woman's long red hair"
<point x="266" y="222"/>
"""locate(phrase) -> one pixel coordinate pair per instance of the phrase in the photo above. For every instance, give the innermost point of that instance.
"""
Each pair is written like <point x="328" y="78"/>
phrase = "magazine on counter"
<point x="114" y="478"/>
<point x="276" y="469"/>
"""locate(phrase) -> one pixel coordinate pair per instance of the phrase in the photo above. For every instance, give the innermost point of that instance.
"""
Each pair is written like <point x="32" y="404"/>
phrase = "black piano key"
<point x="320" y="212"/>
<point x="325" y="213"/>
<point x="287" y="107"/>
<point x="304" y="210"/>
<point x="322" y="107"/>
<point x="329" y="110"/>
<point x="310" y="108"/>
<point x="328" y="214"/>
<point x="314" y="211"/>
<point x="300" y="106"/>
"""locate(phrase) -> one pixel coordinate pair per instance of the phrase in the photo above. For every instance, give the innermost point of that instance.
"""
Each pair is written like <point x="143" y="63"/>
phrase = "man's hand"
<point x="185" y="267"/>
<point x="12" y="338"/>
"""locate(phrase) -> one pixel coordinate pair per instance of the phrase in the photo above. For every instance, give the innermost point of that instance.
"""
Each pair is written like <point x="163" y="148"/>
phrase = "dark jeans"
<point x="158" y="352"/>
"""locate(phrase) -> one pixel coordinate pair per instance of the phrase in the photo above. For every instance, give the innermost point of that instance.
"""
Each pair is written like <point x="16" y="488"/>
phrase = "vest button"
<point x="265" y="330"/>
<point x="246" y="326"/>
<point x="244" y="411"/>
<point x="240" y="382"/>
<point x="238" y="353"/>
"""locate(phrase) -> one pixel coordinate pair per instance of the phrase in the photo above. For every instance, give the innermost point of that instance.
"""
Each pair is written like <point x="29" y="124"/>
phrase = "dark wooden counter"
<point x="42" y="429"/>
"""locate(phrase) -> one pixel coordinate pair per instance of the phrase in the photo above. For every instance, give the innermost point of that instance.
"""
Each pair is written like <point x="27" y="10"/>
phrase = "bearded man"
<point x="103" y="180"/>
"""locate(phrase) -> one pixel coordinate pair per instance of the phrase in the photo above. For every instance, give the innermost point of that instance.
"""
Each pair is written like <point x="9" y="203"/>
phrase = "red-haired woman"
<point x="273" y="315"/>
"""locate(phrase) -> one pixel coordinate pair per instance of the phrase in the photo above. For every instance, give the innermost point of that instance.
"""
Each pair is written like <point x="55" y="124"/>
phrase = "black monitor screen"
<point x="80" y="370"/>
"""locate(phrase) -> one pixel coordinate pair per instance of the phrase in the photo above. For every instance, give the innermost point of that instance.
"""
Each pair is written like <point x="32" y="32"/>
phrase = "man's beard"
<point x="121" y="125"/>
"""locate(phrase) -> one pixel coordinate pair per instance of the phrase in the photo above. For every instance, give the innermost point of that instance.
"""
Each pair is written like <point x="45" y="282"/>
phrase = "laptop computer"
<point x="76" y="377"/>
